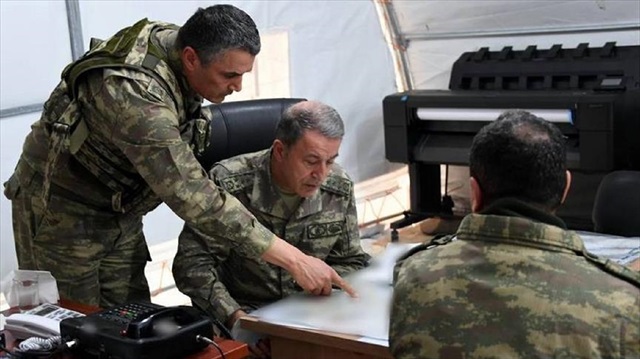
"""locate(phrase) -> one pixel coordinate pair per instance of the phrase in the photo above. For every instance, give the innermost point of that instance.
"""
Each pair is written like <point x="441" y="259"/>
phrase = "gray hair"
<point x="309" y="116"/>
<point x="218" y="28"/>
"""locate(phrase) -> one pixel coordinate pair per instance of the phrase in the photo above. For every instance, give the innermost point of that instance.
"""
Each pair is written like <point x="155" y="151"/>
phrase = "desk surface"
<point x="231" y="349"/>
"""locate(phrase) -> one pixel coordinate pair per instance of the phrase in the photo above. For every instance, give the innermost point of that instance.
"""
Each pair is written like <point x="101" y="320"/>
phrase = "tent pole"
<point x="397" y="41"/>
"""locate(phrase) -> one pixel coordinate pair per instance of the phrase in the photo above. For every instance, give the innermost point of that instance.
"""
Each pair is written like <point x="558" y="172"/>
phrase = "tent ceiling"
<point x="424" y="17"/>
<point x="436" y="33"/>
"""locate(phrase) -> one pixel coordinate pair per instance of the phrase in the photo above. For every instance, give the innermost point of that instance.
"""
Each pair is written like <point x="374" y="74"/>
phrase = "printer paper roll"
<point x="488" y="114"/>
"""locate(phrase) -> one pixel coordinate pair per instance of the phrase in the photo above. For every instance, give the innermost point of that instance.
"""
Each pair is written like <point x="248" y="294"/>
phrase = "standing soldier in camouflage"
<point x="116" y="138"/>
<point x="515" y="283"/>
<point x="297" y="191"/>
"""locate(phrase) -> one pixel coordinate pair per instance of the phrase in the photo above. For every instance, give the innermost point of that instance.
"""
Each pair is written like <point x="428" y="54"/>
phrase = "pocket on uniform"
<point x="12" y="187"/>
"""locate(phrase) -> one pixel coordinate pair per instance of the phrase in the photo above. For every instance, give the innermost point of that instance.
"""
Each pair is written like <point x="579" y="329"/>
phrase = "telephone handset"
<point x="138" y="330"/>
<point x="42" y="321"/>
<point x="162" y="322"/>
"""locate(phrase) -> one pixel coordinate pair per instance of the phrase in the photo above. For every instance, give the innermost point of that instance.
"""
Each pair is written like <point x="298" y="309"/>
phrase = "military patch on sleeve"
<point x="337" y="185"/>
<point x="235" y="183"/>
<point x="319" y="230"/>
<point x="156" y="90"/>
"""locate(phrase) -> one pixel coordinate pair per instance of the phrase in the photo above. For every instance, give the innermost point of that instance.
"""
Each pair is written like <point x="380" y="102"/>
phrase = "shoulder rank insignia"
<point x="337" y="185"/>
<point x="436" y="241"/>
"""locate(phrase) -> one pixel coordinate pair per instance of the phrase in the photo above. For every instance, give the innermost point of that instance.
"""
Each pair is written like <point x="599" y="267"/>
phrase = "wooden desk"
<point x="294" y="343"/>
<point x="231" y="349"/>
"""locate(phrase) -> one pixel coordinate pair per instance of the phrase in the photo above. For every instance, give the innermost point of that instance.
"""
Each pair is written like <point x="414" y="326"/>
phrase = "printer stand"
<point x="409" y="219"/>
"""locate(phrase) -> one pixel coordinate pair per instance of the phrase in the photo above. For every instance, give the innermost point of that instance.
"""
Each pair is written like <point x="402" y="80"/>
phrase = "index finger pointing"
<point x="337" y="280"/>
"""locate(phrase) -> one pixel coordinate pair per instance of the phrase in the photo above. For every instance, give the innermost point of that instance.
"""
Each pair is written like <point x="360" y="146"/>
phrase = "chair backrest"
<point x="616" y="209"/>
<point x="242" y="127"/>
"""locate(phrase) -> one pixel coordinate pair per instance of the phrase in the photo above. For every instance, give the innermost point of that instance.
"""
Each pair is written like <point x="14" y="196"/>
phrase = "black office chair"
<point x="242" y="127"/>
<point x="616" y="209"/>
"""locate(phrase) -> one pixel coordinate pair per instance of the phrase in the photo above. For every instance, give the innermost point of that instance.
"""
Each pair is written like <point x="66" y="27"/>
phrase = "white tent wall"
<point x="437" y="56"/>
<point x="438" y="32"/>
<point x="337" y="54"/>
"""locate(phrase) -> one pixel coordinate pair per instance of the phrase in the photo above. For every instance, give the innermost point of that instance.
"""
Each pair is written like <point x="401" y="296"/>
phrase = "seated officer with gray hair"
<point x="295" y="190"/>
<point x="515" y="283"/>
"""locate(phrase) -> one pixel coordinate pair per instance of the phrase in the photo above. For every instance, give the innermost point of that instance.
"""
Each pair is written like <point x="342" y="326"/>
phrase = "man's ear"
<point x="566" y="188"/>
<point x="190" y="59"/>
<point x="278" y="150"/>
<point x="476" y="195"/>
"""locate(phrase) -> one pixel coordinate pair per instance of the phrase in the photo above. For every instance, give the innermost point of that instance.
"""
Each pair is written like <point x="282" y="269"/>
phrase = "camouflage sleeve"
<point x="147" y="132"/>
<point x="194" y="271"/>
<point x="347" y="255"/>
<point x="404" y="319"/>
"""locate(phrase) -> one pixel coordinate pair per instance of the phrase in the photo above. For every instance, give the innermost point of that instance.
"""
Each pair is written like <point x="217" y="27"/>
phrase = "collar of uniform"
<point x="167" y="39"/>
<point x="266" y="198"/>
<point x="518" y="231"/>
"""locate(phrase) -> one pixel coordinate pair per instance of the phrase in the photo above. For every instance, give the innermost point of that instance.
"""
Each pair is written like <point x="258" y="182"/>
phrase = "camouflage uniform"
<point x="512" y="287"/>
<point x="221" y="280"/>
<point x="138" y="153"/>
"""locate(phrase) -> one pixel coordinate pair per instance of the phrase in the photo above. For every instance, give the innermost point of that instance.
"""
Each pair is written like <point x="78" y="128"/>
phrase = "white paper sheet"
<point x="340" y="313"/>
<point x="622" y="250"/>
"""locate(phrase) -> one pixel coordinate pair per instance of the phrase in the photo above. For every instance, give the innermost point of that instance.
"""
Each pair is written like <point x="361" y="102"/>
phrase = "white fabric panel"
<point x="13" y="130"/>
<point x="326" y="59"/>
<point x="431" y="60"/>
<point x="457" y="16"/>
<point x="344" y="63"/>
<point x="34" y="40"/>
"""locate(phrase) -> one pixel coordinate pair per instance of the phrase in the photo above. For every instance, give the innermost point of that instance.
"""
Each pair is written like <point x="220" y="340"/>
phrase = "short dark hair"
<point x="218" y="28"/>
<point x="309" y="116"/>
<point x="520" y="155"/>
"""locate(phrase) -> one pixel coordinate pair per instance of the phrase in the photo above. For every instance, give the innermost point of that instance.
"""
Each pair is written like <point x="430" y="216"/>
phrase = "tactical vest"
<point x="130" y="48"/>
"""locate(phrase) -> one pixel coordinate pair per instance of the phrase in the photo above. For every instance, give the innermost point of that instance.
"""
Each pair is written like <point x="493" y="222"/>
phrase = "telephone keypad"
<point x="129" y="312"/>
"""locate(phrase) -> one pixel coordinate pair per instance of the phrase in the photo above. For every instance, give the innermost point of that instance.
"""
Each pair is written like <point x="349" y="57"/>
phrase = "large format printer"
<point x="591" y="94"/>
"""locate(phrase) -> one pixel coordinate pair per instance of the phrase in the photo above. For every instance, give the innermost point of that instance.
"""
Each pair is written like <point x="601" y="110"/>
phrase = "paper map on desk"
<point x="338" y="313"/>
<point x="367" y="315"/>
<point x="622" y="250"/>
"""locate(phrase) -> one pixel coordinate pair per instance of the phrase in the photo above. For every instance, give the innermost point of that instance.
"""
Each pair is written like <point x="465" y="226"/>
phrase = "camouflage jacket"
<point x="138" y="129"/>
<point x="221" y="281"/>
<point x="511" y="287"/>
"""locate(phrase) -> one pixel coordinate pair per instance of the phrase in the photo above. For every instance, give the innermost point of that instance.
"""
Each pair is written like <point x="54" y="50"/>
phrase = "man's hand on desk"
<point x="235" y="317"/>
<point x="311" y="273"/>
<point x="260" y="349"/>
<point x="319" y="277"/>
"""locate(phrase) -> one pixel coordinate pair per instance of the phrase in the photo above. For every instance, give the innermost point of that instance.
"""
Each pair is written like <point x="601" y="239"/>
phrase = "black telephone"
<point x="138" y="330"/>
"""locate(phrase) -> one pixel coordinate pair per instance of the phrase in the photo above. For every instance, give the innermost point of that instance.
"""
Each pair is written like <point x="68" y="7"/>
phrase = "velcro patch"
<point x="233" y="184"/>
